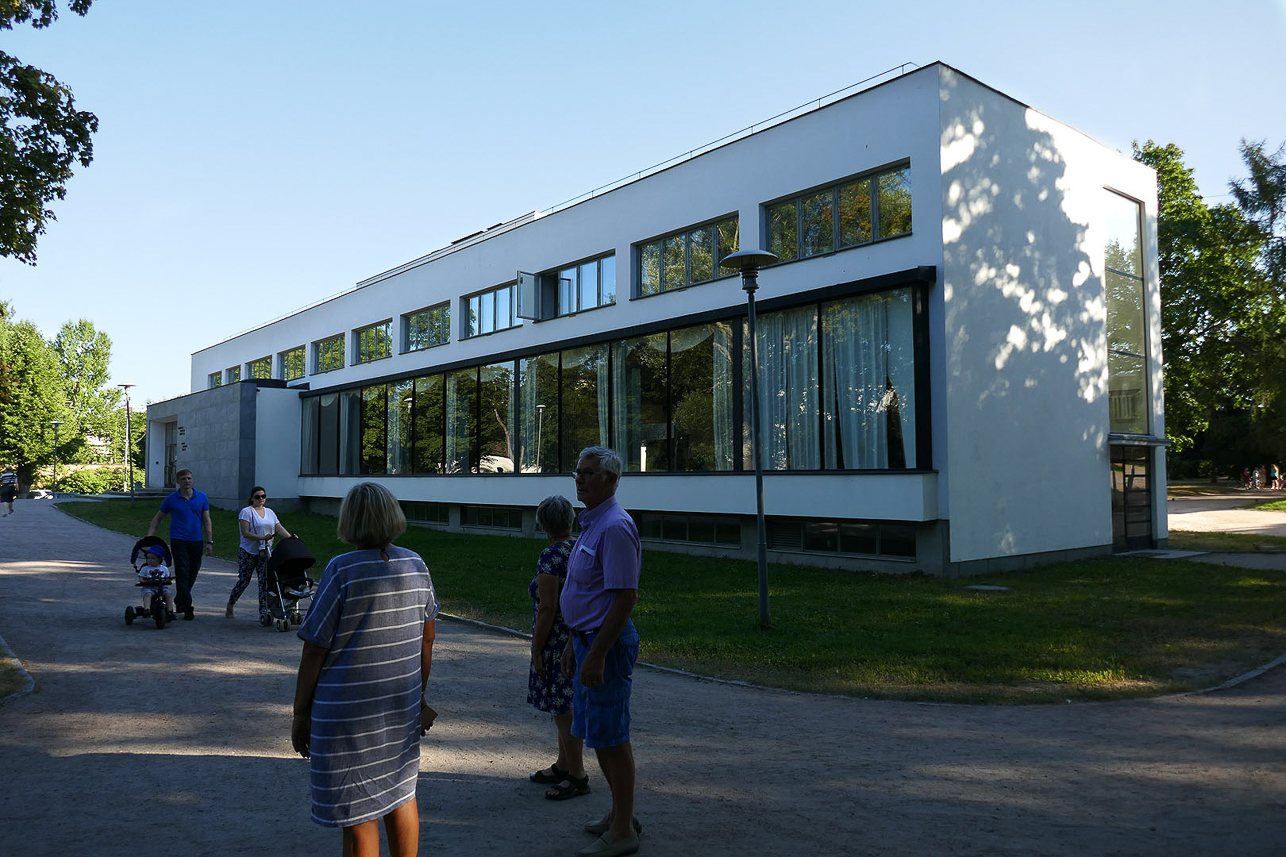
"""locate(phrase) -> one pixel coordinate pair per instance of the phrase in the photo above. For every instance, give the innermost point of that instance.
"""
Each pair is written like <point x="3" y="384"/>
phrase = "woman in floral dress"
<point x="547" y="688"/>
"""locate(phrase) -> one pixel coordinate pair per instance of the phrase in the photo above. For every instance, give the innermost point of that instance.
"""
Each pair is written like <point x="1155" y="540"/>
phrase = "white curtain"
<point x="787" y="346"/>
<point x="869" y="370"/>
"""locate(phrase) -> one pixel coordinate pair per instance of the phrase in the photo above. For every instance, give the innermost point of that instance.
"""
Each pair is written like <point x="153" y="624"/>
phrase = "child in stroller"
<point x="287" y="583"/>
<point x="154" y="578"/>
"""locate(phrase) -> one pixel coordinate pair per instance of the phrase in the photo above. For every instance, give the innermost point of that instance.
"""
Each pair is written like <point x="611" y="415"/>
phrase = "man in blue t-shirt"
<point x="189" y="512"/>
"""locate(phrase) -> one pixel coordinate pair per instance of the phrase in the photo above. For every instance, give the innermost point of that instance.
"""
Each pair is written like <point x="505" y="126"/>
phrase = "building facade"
<point x="958" y="351"/>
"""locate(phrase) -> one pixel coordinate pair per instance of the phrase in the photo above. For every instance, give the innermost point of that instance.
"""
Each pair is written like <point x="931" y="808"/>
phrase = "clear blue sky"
<point x="255" y="156"/>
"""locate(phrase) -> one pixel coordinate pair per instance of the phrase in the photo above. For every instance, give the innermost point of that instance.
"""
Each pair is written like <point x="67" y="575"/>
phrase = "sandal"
<point x="570" y="787"/>
<point x="545" y="779"/>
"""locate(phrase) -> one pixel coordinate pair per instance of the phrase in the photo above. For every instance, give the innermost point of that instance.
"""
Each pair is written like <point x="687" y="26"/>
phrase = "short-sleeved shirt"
<point x="259" y="526"/>
<point x="185" y="515"/>
<point x="607" y="556"/>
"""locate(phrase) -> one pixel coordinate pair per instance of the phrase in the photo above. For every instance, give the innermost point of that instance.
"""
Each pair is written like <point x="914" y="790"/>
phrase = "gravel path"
<point x="140" y="741"/>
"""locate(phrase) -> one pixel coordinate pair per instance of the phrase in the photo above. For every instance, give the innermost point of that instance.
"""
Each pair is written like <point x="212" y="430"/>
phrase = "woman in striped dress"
<point x="359" y="696"/>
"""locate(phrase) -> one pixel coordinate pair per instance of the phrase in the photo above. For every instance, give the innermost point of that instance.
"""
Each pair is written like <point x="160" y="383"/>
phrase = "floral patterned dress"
<point x="551" y="692"/>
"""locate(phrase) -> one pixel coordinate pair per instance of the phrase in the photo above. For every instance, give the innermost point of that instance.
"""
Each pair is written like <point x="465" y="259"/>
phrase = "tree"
<point x="30" y="399"/>
<point x="41" y="135"/>
<point x="1261" y="197"/>
<point x="1211" y="296"/>
<point x="84" y="355"/>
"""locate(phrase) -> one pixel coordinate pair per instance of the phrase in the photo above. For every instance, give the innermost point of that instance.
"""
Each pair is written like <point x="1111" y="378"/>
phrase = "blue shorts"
<point x="601" y="715"/>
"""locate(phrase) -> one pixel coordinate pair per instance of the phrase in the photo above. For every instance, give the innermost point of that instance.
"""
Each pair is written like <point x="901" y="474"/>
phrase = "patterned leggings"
<point x="248" y="563"/>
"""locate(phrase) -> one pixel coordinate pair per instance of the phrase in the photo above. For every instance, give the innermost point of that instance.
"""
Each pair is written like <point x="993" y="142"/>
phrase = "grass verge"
<point x="1183" y="540"/>
<point x="1098" y="629"/>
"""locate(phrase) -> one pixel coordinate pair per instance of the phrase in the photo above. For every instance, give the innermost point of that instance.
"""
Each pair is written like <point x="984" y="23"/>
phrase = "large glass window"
<point x="261" y="368"/>
<point x="496" y="418"/>
<point x="308" y="441"/>
<point x="837" y="383"/>
<point x="701" y="398"/>
<point x="350" y="432"/>
<point x="583" y="421"/>
<point x="808" y="225"/>
<point x="461" y="420"/>
<point x="868" y="382"/>
<point x="401" y="398"/>
<point x="686" y="258"/>
<point x="492" y="310"/>
<point x="373" y="342"/>
<point x="429" y="424"/>
<point x="639" y="403"/>
<point x="374" y="430"/>
<point x="789" y="422"/>
<point x="328" y="354"/>
<point x="292" y="363"/>
<point x="538" y="410"/>
<point x="328" y="434"/>
<point x="1126" y="317"/>
<point x="427" y="327"/>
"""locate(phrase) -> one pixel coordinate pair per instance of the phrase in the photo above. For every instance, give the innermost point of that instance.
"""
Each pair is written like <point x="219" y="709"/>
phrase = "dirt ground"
<point x="138" y="740"/>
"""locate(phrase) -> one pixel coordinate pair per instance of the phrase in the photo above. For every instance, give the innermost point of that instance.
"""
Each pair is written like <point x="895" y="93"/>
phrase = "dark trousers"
<point x="187" y="562"/>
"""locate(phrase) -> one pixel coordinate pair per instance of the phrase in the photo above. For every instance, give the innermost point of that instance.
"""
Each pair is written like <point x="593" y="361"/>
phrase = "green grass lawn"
<point x="1271" y="504"/>
<point x="1183" y="540"/>
<point x="1097" y="629"/>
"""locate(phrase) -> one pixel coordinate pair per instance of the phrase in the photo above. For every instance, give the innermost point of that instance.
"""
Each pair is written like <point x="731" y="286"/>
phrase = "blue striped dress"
<point x="365" y="739"/>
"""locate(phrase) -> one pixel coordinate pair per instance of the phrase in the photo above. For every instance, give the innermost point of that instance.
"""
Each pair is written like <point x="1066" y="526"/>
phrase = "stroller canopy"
<point x="147" y="542"/>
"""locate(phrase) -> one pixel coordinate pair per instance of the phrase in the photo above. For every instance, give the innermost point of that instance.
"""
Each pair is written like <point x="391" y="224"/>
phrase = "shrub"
<point x="90" y="480"/>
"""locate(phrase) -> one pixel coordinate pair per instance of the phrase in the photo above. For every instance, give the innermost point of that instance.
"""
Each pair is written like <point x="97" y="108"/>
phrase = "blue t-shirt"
<point x="185" y="515"/>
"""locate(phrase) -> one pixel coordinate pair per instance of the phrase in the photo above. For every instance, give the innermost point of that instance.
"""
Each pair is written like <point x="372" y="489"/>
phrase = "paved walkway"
<point x="142" y="741"/>
<point x="1227" y="513"/>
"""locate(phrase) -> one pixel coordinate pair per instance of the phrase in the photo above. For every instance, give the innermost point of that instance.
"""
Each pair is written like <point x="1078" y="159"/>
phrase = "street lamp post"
<point x="129" y="450"/>
<point x="748" y="262"/>
<point x="55" y="424"/>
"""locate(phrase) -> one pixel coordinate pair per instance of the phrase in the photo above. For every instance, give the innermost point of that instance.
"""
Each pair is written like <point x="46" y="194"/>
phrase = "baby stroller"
<point x="287" y="584"/>
<point x="157" y="609"/>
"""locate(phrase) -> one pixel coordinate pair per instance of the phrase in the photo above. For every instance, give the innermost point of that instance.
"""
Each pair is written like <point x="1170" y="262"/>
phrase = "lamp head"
<point x="748" y="260"/>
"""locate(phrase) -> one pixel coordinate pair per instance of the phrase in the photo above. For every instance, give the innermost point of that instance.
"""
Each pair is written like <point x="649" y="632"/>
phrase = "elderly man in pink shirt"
<point x="600" y="593"/>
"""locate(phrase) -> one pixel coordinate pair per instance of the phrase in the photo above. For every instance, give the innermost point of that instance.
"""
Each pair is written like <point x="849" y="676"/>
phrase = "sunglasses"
<point x="259" y="497"/>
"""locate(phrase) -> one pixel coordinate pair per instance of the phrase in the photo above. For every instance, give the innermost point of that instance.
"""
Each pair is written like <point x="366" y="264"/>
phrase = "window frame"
<point x="303" y="363"/>
<point x="442" y="327"/>
<point x="833" y="191"/>
<point x="360" y="344"/>
<point x="550" y="281"/>
<point x="468" y="319"/>
<point x="640" y="251"/>
<point x="317" y="349"/>
<point x="250" y="373"/>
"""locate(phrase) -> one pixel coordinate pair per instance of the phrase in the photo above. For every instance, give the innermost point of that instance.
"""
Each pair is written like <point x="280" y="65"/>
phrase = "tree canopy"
<point x="1223" y="309"/>
<point x="64" y="379"/>
<point x="42" y="134"/>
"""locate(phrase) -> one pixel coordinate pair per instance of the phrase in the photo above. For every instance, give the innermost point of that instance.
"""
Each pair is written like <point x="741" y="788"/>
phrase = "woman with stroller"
<point x="359" y="696"/>
<point x="259" y="525"/>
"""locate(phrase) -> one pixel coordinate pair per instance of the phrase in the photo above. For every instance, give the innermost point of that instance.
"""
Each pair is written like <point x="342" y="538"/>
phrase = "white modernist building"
<point x="958" y="351"/>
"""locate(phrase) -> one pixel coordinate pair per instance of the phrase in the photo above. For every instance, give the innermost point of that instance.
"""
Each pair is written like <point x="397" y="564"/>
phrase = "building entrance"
<point x="1131" y="498"/>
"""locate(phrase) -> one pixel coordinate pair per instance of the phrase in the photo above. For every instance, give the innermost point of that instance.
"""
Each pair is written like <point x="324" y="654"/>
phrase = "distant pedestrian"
<point x="8" y="489"/>
<point x="189" y="512"/>
<point x="601" y="591"/>
<point x="359" y="696"/>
